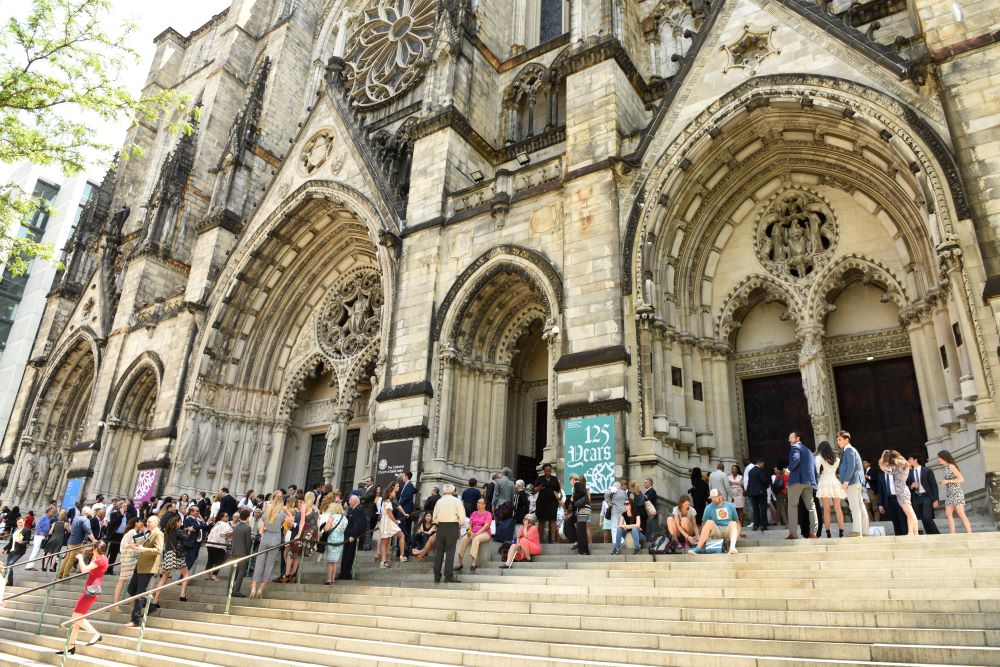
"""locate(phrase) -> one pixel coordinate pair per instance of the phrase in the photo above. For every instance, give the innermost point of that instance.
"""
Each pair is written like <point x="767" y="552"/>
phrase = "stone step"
<point x="312" y="643"/>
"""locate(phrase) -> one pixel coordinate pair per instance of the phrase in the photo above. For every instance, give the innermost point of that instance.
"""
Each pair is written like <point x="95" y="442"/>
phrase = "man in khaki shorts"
<point x="719" y="522"/>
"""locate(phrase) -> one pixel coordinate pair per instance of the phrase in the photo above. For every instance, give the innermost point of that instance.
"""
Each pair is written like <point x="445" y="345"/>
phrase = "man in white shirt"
<point x="449" y="515"/>
<point x="924" y="493"/>
<point x="746" y="482"/>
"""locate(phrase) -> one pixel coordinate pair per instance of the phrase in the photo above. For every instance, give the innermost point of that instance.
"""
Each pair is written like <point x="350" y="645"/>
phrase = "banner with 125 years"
<point x="589" y="446"/>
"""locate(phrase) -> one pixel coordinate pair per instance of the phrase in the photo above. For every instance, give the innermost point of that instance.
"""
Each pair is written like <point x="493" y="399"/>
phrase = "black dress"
<point x="699" y="496"/>
<point x="546" y="505"/>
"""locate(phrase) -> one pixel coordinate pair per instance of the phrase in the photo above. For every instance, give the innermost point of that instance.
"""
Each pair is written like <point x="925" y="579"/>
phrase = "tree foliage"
<point x="60" y="67"/>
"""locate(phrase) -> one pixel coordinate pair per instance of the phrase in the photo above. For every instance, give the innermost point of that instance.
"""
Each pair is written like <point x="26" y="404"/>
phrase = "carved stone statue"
<point x="815" y="380"/>
<point x="27" y="465"/>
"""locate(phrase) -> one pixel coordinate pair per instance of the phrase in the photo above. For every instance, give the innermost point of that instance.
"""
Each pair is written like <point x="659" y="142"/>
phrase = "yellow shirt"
<point x="449" y="510"/>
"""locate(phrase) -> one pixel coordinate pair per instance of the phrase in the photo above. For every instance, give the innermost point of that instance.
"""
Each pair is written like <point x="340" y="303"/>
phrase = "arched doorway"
<point x="57" y="419"/>
<point x="131" y="418"/>
<point x="305" y="298"/>
<point x="498" y="333"/>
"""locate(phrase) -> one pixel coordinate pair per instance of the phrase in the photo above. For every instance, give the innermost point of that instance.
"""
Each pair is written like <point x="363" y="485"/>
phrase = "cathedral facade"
<point x="458" y="226"/>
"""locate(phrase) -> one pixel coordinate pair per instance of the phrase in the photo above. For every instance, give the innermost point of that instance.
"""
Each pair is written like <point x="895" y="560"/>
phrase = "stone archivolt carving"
<point x="388" y="49"/>
<point x="796" y="235"/>
<point x="352" y="316"/>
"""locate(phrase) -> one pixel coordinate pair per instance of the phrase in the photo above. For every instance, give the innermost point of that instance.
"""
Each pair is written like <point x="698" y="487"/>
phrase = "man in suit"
<point x="757" y="492"/>
<point x="204" y="506"/>
<point x="368" y="509"/>
<point x="357" y="524"/>
<point x="241" y="545"/>
<point x="503" y="491"/>
<point x="406" y="494"/>
<point x="718" y="481"/>
<point x="228" y="505"/>
<point x="888" y="505"/>
<point x="116" y="530"/>
<point x="871" y="488"/>
<point x="801" y="482"/>
<point x="852" y="477"/>
<point x="924" y="492"/>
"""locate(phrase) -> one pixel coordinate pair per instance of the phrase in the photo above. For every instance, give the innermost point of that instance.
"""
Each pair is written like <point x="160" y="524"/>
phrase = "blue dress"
<point x="331" y="554"/>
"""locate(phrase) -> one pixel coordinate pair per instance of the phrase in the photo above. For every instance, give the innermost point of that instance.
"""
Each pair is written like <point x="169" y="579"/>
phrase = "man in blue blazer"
<point x="801" y="483"/>
<point x="406" y="494"/>
<point x="889" y="506"/>
<point x="757" y="491"/>
<point x="924" y="493"/>
<point x="852" y="476"/>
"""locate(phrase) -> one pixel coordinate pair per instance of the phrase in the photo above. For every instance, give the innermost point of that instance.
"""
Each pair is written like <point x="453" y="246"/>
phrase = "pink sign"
<point x="145" y="486"/>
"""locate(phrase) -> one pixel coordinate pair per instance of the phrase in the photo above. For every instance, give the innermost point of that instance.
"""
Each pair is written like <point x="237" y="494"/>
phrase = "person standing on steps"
<point x="871" y="488"/>
<point x="20" y="537"/>
<point x="581" y="506"/>
<point x="332" y="533"/>
<point x="717" y="480"/>
<point x="449" y="515"/>
<point x="547" y="505"/>
<point x="271" y="534"/>
<point x="368" y="509"/>
<point x="954" y="496"/>
<point x="801" y="482"/>
<point x="80" y="531"/>
<point x="736" y="490"/>
<point x="134" y="534"/>
<point x="923" y="492"/>
<point x="893" y="463"/>
<point x="757" y="490"/>
<point x="228" y="504"/>
<point x="852" y="480"/>
<point x="698" y="491"/>
<point x="146" y="568"/>
<point x="241" y="545"/>
<point x="471" y="496"/>
<point x="91" y="591"/>
<point x="41" y="528"/>
<point x="888" y="504"/>
<point x="407" y="492"/>
<point x="719" y="522"/>
<point x="353" y="535"/>
<point x="829" y="489"/>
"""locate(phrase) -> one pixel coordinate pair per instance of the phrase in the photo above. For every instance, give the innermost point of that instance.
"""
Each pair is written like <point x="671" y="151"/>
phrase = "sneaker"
<point x="403" y="559"/>
<point x="614" y="552"/>
<point x="695" y="550"/>
<point x="636" y="552"/>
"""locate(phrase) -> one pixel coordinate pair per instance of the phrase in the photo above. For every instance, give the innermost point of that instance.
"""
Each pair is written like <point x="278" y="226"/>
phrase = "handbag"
<point x="93" y="590"/>
<point x="650" y="509"/>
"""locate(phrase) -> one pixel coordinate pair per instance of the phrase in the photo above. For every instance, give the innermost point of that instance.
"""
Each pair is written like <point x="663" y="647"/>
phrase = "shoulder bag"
<point x="93" y="590"/>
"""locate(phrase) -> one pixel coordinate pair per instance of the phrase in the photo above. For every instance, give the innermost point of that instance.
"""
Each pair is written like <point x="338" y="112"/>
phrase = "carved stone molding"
<point x="592" y="408"/>
<point x="749" y="49"/>
<point x="418" y="431"/>
<point x="796" y="234"/>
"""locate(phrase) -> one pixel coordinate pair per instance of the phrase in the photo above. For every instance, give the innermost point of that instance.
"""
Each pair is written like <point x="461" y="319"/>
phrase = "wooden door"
<point x="772" y="407"/>
<point x="879" y="404"/>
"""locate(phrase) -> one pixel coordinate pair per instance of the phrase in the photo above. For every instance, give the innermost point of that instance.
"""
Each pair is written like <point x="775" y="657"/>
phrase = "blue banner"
<point x="72" y="495"/>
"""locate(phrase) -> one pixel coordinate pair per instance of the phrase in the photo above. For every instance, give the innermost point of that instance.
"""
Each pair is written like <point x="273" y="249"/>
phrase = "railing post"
<point x="142" y="626"/>
<point x="45" y="604"/>
<point x="62" y="660"/>
<point x="232" y="582"/>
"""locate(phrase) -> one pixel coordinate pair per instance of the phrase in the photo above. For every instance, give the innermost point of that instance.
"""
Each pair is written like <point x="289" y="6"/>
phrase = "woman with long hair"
<point x="218" y="541"/>
<point x="893" y="463"/>
<point x="306" y="521"/>
<point x="954" y="496"/>
<point x="333" y="535"/>
<point x="388" y="527"/>
<point x="426" y="536"/>
<point x="581" y="508"/>
<point x="173" y="556"/>
<point x="271" y="531"/>
<point x="698" y="491"/>
<point x="54" y="543"/>
<point x="91" y="591"/>
<point x="828" y="488"/>
<point x="20" y="537"/>
<point x="682" y="524"/>
<point x="134" y="535"/>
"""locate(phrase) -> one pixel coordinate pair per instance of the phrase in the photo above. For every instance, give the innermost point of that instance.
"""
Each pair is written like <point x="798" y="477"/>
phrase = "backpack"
<point x="663" y="543"/>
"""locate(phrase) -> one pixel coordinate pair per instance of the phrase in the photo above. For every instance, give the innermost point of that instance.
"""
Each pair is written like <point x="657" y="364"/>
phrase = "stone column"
<point x="815" y="380"/>
<point x="445" y="407"/>
<point x="645" y="318"/>
<point x="659" y="383"/>
<point x="551" y="338"/>
<point x="972" y="382"/>
<point x="498" y="416"/>
<point x="271" y="456"/>
<point x="105" y="461"/>
<point x="342" y="29"/>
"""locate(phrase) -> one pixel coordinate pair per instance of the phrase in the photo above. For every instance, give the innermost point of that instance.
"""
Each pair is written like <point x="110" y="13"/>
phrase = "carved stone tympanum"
<point x="796" y="234"/>
<point x="352" y="315"/>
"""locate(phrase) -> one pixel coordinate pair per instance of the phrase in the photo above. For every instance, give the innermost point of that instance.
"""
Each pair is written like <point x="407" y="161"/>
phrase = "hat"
<point x="714" y="493"/>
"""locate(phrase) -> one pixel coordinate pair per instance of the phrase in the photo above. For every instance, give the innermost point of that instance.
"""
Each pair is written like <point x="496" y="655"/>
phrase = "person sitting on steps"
<point x="719" y="522"/>
<point x="527" y="545"/>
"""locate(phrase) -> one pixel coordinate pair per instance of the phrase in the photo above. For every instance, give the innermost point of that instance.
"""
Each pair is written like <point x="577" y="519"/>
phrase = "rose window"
<point x="352" y="314"/>
<point x="387" y="49"/>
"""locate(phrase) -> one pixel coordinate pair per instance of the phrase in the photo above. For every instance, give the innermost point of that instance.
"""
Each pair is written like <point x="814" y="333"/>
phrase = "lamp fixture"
<point x="522" y="158"/>
<point x="477" y="176"/>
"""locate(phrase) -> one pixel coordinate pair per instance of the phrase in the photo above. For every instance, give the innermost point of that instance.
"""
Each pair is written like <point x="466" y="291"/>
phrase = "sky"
<point x="151" y="17"/>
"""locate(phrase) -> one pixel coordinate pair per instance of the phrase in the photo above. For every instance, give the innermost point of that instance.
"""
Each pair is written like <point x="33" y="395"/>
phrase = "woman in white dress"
<point x="828" y="487"/>
<point x="736" y="489"/>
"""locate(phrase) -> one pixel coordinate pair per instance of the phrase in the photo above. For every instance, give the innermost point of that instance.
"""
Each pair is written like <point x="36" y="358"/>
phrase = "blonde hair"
<point x="335" y="507"/>
<point x="274" y="507"/>
<point x="309" y="500"/>
<point x="62" y="515"/>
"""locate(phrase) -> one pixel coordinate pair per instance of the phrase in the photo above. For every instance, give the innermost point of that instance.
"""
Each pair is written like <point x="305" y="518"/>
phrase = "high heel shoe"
<point x="828" y="533"/>
<point x="95" y="640"/>
<point x="70" y="651"/>
<point x="841" y="532"/>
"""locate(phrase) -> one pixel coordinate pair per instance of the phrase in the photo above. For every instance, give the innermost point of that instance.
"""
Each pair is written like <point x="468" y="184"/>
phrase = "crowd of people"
<point x="163" y="537"/>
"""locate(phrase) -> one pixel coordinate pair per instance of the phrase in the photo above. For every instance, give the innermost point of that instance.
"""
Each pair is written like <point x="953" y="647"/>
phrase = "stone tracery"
<point x="796" y="234"/>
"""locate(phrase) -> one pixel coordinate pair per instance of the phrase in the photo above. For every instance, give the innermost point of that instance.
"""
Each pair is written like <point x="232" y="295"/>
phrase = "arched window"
<point x="550" y="21"/>
<point x="537" y="22"/>
<point x="528" y="103"/>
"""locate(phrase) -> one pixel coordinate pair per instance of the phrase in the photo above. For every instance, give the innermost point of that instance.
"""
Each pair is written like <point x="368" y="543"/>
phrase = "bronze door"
<point x="772" y="407"/>
<point x="880" y="405"/>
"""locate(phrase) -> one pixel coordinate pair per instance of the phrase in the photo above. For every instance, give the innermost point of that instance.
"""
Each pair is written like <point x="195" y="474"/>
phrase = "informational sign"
<point x="72" y="495"/>
<point x="589" y="446"/>
<point x="393" y="460"/>
<point x="145" y="486"/>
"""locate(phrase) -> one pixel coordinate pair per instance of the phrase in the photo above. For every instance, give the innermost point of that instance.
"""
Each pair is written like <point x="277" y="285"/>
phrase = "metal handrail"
<point x="59" y="555"/>
<point x="48" y="585"/>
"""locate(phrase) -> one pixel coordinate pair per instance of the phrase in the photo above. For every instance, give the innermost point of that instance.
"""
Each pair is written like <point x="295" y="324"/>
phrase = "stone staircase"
<point x="882" y="601"/>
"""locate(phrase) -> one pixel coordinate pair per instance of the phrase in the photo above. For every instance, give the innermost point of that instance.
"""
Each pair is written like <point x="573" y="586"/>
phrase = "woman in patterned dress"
<point x="893" y="463"/>
<point x="954" y="496"/>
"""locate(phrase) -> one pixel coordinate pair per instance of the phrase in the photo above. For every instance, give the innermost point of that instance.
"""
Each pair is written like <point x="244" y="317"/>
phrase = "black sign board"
<point x="393" y="460"/>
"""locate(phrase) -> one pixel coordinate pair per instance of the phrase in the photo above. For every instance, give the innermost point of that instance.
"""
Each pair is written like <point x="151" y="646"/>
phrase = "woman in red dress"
<point x="527" y="545"/>
<point x="91" y="591"/>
